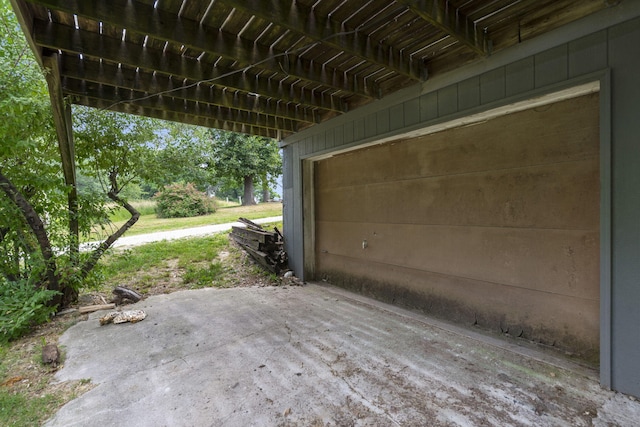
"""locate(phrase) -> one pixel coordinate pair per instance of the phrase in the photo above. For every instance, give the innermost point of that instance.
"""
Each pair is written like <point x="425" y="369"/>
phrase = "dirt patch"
<point x="25" y="374"/>
<point x="242" y="271"/>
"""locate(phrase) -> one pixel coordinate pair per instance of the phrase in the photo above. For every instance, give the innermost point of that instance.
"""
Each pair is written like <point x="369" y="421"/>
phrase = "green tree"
<point x="245" y="159"/>
<point x="36" y="241"/>
<point x="30" y="178"/>
<point x="182" y="155"/>
<point x="113" y="149"/>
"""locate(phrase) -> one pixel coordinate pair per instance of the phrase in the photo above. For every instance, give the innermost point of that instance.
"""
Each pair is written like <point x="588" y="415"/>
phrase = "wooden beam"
<point x="297" y="17"/>
<point x="111" y="96"/>
<point x="180" y="117"/>
<point x="444" y="16"/>
<point x="60" y="116"/>
<point x="91" y="308"/>
<point x="25" y="19"/>
<point x="144" y="19"/>
<point x="64" y="129"/>
<point x="68" y="39"/>
<point x="94" y="73"/>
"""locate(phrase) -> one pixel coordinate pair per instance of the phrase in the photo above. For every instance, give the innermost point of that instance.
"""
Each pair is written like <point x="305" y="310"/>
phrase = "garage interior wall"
<point x="494" y="224"/>
<point x="603" y="47"/>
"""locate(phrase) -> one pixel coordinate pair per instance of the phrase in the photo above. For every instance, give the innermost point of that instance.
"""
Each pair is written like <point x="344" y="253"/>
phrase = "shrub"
<point x="182" y="200"/>
<point x="21" y="307"/>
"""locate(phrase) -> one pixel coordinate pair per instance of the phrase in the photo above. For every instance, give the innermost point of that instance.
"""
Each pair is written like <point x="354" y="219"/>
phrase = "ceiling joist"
<point x="181" y="117"/>
<point x="176" y="105"/>
<point x="323" y="30"/>
<point x="70" y="40"/>
<point x="146" y="20"/>
<point x="94" y="72"/>
<point x="442" y="15"/>
<point x="269" y="67"/>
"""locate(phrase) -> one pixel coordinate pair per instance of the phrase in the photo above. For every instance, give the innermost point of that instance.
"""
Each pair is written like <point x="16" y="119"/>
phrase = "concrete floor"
<point x="317" y="356"/>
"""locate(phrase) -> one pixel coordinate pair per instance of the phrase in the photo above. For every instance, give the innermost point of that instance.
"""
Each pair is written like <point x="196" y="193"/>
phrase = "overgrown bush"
<point x="21" y="307"/>
<point x="182" y="200"/>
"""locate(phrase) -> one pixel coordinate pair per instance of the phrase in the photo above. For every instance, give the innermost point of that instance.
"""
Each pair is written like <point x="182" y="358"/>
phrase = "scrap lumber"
<point x="265" y="247"/>
<point x="92" y="308"/>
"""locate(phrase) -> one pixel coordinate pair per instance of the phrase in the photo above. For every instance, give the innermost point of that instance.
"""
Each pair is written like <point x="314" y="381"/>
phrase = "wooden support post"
<point x="64" y="130"/>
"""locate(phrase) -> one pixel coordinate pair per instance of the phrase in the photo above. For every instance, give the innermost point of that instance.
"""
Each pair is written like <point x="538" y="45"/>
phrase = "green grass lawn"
<point x="121" y="266"/>
<point x="150" y="223"/>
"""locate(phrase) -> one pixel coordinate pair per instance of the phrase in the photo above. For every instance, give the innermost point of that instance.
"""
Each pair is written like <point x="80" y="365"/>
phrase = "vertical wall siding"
<point x="624" y="60"/>
<point x="615" y="49"/>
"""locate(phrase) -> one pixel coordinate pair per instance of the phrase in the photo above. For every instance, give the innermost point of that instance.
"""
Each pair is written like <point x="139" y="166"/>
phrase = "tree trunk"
<point x="248" y="191"/>
<point x="266" y="194"/>
<point x="67" y="293"/>
<point x="74" y="227"/>
<point x="100" y="250"/>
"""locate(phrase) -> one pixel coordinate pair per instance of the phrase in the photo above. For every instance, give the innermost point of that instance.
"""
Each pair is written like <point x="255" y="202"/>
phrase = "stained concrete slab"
<point x="317" y="356"/>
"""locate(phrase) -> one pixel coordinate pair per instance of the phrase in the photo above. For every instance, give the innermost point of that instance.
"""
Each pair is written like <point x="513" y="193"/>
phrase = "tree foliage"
<point x="110" y="144"/>
<point x="36" y="238"/>
<point x="112" y="148"/>
<point x="245" y="159"/>
<point x="182" y="155"/>
<point x="31" y="185"/>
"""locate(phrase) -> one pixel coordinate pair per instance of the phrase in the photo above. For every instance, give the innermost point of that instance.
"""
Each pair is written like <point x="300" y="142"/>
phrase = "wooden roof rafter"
<point x="95" y="72"/>
<point x="324" y="30"/>
<point x="147" y="20"/>
<point x="444" y="16"/>
<point x="76" y="41"/>
<point x="177" y="105"/>
<point x="257" y="65"/>
<point x="183" y="117"/>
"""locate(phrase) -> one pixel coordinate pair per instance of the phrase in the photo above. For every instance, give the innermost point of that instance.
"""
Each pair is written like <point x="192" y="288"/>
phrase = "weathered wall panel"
<point x="520" y="76"/>
<point x="512" y="203"/>
<point x="588" y="54"/>
<point x="455" y="298"/>
<point x="551" y="66"/>
<point x="542" y="196"/>
<point x="568" y="138"/>
<point x="429" y="106"/>
<point x="558" y="262"/>
<point x="492" y="85"/>
<point x="448" y="100"/>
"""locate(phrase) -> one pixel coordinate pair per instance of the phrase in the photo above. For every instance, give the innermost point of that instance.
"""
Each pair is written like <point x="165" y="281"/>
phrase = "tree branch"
<point x="37" y="227"/>
<point x="101" y="249"/>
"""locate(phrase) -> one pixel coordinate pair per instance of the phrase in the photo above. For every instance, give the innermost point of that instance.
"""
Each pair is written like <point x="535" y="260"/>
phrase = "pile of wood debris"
<point x="266" y="247"/>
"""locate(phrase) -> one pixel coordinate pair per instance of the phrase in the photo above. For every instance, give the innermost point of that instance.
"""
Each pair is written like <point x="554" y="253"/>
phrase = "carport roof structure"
<point x="268" y="68"/>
